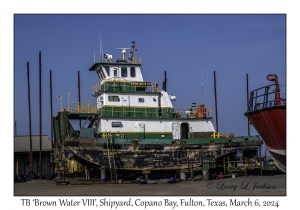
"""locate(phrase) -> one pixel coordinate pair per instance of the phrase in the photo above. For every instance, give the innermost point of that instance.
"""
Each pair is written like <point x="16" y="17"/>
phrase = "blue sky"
<point x="182" y="45"/>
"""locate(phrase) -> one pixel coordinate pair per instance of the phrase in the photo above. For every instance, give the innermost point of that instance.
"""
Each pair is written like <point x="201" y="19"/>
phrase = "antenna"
<point x="132" y="51"/>
<point x="101" y="47"/>
<point x="123" y="52"/>
<point x="202" y="88"/>
<point x="125" y="48"/>
<point x="99" y="43"/>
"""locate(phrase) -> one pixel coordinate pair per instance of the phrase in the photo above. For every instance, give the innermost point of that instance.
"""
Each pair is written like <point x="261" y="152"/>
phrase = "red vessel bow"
<point x="267" y="113"/>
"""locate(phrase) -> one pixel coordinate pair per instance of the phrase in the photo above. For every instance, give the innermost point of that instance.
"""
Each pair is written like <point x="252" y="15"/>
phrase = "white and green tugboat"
<point x="133" y="126"/>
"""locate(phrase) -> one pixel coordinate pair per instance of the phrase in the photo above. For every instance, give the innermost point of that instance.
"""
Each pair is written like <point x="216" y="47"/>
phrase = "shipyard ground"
<point x="239" y="186"/>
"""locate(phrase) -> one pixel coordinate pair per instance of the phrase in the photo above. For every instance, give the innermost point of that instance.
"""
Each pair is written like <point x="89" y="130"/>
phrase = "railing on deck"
<point x="140" y="112"/>
<point x="76" y="107"/>
<point x="190" y="112"/>
<point x="136" y="112"/>
<point x="264" y="97"/>
<point x="137" y="60"/>
<point x="120" y="85"/>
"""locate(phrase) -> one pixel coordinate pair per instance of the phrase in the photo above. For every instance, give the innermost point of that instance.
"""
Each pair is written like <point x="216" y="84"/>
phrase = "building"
<point x="22" y="155"/>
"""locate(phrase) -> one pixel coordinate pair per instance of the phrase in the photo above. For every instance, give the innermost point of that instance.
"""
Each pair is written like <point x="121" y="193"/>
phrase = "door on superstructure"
<point x="125" y="106"/>
<point x="176" y="130"/>
<point x="184" y="127"/>
<point x="140" y="130"/>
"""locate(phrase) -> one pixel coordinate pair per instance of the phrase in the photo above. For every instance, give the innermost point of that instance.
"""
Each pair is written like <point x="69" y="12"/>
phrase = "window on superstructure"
<point x="141" y="100"/>
<point x="115" y="73"/>
<point x="113" y="98"/>
<point x="132" y="71"/>
<point x="102" y="73"/>
<point x="98" y="73"/>
<point x="124" y="71"/>
<point x="116" y="124"/>
<point x="107" y="70"/>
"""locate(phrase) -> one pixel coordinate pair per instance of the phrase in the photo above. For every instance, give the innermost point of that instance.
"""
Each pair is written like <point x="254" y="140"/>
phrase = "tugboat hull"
<point x="160" y="155"/>
<point x="267" y="113"/>
<point x="270" y="123"/>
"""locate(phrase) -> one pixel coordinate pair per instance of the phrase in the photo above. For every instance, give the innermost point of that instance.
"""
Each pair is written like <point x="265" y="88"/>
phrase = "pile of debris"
<point x="31" y="176"/>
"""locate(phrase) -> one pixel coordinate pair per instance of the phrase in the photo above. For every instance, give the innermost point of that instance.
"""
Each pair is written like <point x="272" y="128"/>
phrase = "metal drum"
<point x="182" y="176"/>
<point x="205" y="175"/>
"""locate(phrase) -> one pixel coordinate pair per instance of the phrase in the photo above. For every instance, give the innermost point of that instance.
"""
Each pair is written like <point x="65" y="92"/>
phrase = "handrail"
<point x="136" y="112"/>
<point x="264" y="97"/>
<point x="189" y="112"/>
<point x="136" y="60"/>
<point x="120" y="85"/>
<point x="83" y="107"/>
<point x="143" y="112"/>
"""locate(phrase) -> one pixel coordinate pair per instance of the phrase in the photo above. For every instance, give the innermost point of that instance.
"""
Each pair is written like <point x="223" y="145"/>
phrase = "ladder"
<point x="226" y="165"/>
<point x="111" y="159"/>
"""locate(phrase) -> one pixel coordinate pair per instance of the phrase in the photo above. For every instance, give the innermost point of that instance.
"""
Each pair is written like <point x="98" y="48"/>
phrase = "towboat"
<point x="134" y="127"/>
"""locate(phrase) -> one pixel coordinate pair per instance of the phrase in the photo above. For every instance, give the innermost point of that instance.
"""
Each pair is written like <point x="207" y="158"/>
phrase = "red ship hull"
<point x="270" y="123"/>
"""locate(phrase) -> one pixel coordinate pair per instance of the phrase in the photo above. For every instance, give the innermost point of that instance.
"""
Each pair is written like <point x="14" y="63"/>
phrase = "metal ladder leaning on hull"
<point x="111" y="159"/>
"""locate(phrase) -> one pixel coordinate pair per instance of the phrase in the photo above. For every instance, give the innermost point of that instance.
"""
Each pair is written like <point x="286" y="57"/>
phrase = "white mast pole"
<point x="99" y="42"/>
<point x="202" y="88"/>
<point x="101" y="47"/>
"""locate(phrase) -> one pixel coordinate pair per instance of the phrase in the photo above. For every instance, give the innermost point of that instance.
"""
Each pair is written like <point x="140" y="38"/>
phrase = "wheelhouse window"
<point x="100" y="74"/>
<point x="132" y="71"/>
<point x="113" y="98"/>
<point x="141" y="100"/>
<point x="115" y="73"/>
<point x="124" y="71"/>
<point x="116" y="124"/>
<point x="107" y="70"/>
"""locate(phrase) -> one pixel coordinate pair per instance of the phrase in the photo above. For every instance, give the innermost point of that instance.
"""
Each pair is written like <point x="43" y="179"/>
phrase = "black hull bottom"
<point x="280" y="160"/>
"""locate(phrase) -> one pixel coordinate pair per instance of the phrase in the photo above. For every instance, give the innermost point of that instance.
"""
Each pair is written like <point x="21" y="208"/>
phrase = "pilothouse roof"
<point x="108" y="59"/>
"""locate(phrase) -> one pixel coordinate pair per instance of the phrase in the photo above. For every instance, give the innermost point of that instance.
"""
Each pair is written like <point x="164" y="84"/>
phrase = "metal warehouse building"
<point x="22" y="155"/>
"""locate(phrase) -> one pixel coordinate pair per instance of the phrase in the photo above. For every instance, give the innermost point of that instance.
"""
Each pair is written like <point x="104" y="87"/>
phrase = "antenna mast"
<point x="133" y="50"/>
<point x="202" y="88"/>
<point x="101" y="47"/>
<point x="99" y="44"/>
